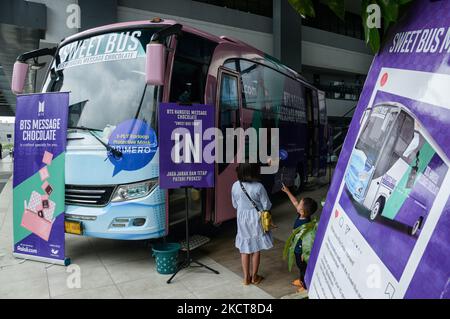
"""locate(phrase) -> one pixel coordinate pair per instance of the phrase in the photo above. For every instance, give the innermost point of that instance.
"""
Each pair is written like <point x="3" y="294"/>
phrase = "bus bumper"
<point x="138" y="219"/>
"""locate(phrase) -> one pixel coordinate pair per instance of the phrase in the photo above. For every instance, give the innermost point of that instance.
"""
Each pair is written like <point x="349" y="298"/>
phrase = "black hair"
<point x="309" y="206"/>
<point x="248" y="172"/>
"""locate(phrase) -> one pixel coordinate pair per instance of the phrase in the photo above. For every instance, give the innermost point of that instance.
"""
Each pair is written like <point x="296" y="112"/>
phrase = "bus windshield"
<point x="105" y="76"/>
<point x="373" y="136"/>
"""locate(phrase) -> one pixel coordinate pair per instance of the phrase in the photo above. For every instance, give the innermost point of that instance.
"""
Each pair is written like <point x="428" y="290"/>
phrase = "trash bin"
<point x="166" y="257"/>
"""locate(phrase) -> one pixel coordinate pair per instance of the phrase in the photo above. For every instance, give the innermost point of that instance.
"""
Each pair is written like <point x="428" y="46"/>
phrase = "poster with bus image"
<point x="394" y="171"/>
<point x="384" y="227"/>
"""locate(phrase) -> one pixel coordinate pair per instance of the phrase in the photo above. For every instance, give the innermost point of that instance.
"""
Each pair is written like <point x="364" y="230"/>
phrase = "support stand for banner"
<point x="188" y="262"/>
<point x="63" y="262"/>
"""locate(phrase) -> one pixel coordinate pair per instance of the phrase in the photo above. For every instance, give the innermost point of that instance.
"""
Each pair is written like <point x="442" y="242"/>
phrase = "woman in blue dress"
<point x="250" y="239"/>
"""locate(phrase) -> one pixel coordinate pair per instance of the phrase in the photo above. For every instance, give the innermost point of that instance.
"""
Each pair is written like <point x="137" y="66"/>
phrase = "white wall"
<point x="260" y="40"/>
<point x="327" y="57"/>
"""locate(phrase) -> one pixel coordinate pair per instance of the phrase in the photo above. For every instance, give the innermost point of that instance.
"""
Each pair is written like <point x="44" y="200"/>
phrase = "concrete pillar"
<point x="287" y="34"/>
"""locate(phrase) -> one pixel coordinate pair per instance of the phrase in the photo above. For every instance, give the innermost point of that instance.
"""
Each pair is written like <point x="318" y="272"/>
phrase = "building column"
<point x="287" y="34"/>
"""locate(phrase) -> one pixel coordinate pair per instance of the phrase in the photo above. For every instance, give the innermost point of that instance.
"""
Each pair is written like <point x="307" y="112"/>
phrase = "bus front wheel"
<point x="417" y="225"/>
<point x="377" y="208"/>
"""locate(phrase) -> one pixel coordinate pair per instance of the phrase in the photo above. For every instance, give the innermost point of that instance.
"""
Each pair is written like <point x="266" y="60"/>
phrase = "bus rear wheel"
<point x="417" y="225"/>
<point x="299" y="182"/>
<point x="377" y="209"/>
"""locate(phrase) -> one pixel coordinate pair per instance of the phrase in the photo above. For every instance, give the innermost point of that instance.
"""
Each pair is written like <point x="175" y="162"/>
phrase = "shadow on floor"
<point x="273" y="267"/>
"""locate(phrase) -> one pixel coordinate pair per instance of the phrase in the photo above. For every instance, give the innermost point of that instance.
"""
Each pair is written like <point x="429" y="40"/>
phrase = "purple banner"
<point x="183" y="162"/>
<point x="382" y="229"/>
<point x="38" y="184"/>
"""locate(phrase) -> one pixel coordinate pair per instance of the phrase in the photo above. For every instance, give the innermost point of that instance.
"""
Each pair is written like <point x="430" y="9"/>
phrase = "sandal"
<point x="302" y="290"/>
<point x="297" y="283"/>
<point x="257" y="279"/>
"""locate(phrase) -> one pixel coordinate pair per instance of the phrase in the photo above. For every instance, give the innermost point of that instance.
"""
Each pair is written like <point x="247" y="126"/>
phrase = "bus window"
<point x="405" y="137"/>
<point x="374" y="134"/>
<point x="228" y="108"/>
<point x="252" y="85"/>
<point x="190" y="69"/>
<point x="231" y="64"/>
<point x="229" y="101"/>
<point x="400" y="137"/>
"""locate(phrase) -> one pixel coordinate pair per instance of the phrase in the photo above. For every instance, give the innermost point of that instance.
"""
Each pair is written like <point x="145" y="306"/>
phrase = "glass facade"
<point x="259" y="7"/>
<point x="327" y="20"/>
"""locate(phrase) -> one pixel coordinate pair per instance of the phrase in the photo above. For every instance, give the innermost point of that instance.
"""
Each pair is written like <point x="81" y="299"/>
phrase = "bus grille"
<point x="82" y="195"/>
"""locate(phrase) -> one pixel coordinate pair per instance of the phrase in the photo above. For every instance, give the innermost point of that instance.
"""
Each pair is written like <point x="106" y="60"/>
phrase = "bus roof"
<point x="141" y="23"/>
<point x="270" y="61"/>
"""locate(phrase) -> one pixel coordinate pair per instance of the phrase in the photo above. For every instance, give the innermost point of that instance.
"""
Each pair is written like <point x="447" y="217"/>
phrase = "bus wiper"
<point x="116" y="153"/>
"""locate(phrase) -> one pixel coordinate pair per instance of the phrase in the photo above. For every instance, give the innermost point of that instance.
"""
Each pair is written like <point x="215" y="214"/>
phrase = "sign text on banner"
<point x="181" y="136"/>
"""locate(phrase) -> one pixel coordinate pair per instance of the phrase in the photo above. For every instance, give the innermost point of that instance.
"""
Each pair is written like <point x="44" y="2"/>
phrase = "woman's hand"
<point x="284" y="188"/>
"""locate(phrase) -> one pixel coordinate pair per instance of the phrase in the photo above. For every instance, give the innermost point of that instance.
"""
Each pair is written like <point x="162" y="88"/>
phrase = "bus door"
<point x="228" y="106"/>
<point x="312" y="116"/>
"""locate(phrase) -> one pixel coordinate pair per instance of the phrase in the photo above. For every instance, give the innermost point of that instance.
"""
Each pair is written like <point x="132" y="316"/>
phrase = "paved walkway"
<point x="109" y="269"/>
<point x="5" y="170"/>
<point x="125" y="269"/>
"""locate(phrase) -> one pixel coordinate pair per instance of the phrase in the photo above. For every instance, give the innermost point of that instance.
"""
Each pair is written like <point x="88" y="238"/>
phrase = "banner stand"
<point x="38" y="181"/>
<point x="63" y="262"/>
<point x="188" y="261"/>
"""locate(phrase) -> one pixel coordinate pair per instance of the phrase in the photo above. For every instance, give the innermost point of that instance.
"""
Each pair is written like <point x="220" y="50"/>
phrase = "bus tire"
<point x="299" y="181"/>
<point x="377" y="208"/>
<point x="417" y="225"/>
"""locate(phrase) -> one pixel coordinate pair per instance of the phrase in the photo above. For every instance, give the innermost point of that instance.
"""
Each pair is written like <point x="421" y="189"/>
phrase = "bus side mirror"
<point x="155" y="64"/>
<point x="19" y="77"/>
<point x="413" y="145"/>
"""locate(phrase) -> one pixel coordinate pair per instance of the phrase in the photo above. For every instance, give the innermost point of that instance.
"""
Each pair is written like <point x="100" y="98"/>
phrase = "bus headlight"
<point x="135" y="190"/>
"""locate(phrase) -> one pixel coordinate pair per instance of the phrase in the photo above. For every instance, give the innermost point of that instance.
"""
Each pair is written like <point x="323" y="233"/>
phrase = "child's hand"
<point x="284" y="188"/>
<point x="273" y="225"/>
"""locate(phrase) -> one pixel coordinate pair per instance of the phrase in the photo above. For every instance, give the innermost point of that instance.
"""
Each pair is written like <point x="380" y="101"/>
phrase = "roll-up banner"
<point x="384" y="230"/>
<point x="38" y="182"/>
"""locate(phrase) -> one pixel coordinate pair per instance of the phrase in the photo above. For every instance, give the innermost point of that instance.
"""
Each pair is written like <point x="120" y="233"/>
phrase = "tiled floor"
<point x="125" y="269"/>
<point x="273" y="267"/>
<point x="109" y="269"/>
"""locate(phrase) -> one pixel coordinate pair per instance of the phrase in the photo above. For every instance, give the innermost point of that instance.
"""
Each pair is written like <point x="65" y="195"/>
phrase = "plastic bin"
<point x="166" y="256"/>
